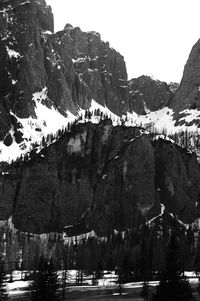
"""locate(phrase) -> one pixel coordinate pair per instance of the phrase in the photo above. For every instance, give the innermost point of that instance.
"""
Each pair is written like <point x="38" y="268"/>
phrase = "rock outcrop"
<point x="147" y="94"/>
<point x="100" y="68"/>
<point x="100" y="177"/>
<point x="22" y="68"/>
<point x="188" y="93"/>
<point x="73" y="65"/>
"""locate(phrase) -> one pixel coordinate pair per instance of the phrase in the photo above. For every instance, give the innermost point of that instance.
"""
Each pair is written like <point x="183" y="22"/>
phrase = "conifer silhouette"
<point x="173" y="285"/>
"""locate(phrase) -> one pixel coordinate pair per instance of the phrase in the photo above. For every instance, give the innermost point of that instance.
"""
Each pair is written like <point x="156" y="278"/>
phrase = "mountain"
<point x="72" y="66"/>
<point x="47" y="77"/>
<point x="100" y="178"/>
<point x="99" y="187"/>
<point x="147" y="94"/>
<point x="188" y="95"/>
<point x="186" y="100"/>
<point x="82" y="156"/>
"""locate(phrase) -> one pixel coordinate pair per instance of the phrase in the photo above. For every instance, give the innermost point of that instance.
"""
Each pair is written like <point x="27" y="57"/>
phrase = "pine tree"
<point x="98" y="272"/>
<point x="145" y="263"/>
<point x="120" y="280"/>
<point x="173" y="285"/>
<point x="124" y="273"/>
<point x="45" y="286"/>
<point x="145" y="291"/>
<point x="3" y="287"/>
<point x="198" y="287"/>
<point x="197" y="258"/>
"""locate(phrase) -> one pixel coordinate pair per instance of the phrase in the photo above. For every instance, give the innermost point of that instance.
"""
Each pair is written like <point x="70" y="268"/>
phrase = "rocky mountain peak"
<point x="49" y="76"/>
<point x="188" y="93"/>
<point x="68" y="26"/>
<point x="44" y="16"/>
<point x="147" y="94"/>
<point x="62" y="71"/>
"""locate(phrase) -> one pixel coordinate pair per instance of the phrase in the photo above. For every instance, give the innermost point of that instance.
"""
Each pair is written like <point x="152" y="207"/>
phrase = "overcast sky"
<point x="154" y="36"/>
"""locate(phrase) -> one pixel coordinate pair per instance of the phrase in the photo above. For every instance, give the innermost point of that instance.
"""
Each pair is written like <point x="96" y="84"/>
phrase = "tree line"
<point x="48" y="284"/>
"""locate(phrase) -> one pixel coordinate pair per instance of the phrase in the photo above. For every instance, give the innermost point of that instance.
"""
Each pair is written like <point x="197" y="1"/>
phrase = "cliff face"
<point x="147" y="94"/>
<point x="177" y="180"/>
<point x="188" y="95"/>
<point x="95" y="177"/>
<point x="74" y="66"/>
<point x="100" y="177"/>
<point x="100" y="67"/>
<point x="21" y="59"/>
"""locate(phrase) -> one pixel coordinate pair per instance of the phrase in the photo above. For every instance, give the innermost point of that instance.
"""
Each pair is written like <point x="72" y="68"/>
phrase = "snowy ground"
<point x="105" y="287"/>
<point x="49" y="120"/>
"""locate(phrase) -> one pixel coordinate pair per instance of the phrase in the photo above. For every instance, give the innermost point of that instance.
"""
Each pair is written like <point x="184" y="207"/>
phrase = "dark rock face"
<point x="177" y="180"/>
<point x="188" y="94"/>
<point x="147" y="94"/>
<point x="74" y="66"/>
<point x="100" y="177"/>
<point x="21" y="56"/>
<point x="100" y="67"/>
<point x="32" y="57"/>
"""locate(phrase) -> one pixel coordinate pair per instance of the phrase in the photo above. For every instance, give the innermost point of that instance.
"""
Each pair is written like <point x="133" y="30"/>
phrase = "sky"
<point x="154" y="36"/>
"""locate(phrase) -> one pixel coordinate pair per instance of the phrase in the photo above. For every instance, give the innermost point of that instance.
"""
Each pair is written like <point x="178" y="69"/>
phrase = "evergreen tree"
<point x="124" y="273"/>
<point x="198" y="287"/>
<point x="45" y="286"/>
<point x="145" y="263"/>
<point x="89" y="115"/>
<point x="43" y="141"/>
<point x="197" y="258"/>
<point x="173" y="285"/>
<point x="86" y="114"/>
<point x="65" y="277"/>
<point x="98" y="272"/>
<point x="3" y="287"/>
<point x="120" y="280"/>
<point x="145" y="291"/>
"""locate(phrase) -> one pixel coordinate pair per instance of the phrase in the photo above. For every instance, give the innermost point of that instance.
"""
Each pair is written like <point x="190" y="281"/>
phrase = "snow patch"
<point x="162" y="210"/>
<point x="41" y="95"/>
<point x="191" y="114"/>
<point x="12" y="53"/>
<point x="105" y="111"/>
<point x="163" y="120"/>
<point x="48" y="32"/>
<point x="49" y="121"/>
<point x="14" y="82"/>
<point x="72" y="239"/>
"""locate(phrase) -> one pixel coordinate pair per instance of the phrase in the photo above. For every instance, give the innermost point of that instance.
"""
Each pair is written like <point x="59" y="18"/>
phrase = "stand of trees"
<point x="134" y="256"/>
<point x="3" y="287"/>
<point x="173" y="284"/>
<point x="141" y="250"/>
<point x="46" y="285"/>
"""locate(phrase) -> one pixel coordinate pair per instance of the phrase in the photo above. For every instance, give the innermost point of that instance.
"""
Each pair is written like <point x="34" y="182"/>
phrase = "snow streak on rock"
<point x="49" y="120"/>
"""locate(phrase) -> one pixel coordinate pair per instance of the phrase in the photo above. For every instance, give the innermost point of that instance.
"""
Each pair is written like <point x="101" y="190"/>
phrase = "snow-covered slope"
<point x="49" y="120"/>
<point x="164" y="120"/>
<point x="49" y="79"/>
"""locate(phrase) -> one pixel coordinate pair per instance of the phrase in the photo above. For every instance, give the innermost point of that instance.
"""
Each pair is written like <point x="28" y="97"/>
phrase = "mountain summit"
<point x="47" y="76"/>
<point x="188" y="93"/>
